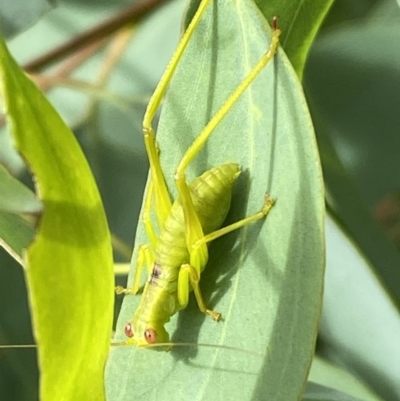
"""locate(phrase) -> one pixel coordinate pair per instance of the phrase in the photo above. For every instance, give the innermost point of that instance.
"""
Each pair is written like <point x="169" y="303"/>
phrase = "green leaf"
<point x="324" y="373"/>
<point x="15" y="196"/>
<point x="18" y="15"/>
<point x="16" y="234"/>
<point x="266" y="279"/>
<point x="363" y="345"/>
<point x="350" y="161"/>
<point x="299" y="21"/>
<point x="69" y="266"/>
<point x="316" y="392"/>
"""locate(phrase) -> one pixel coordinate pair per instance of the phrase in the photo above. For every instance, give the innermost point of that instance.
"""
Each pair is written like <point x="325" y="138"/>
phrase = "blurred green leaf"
<point x="351" y="84"/>
<point x="351" y="208"/>
<point x="345" y="11"/>
<point x="316" y="392"/>
<point x="364" y="337"/>
<point x="18" y="15"/>
<point x="324" y="373"/>
<point x="265" y="279"/>
<point x="16" y="234"/>
<point x="16" y="197"/>
<point x="299" y="21"/>
<point x="69" y="266"/>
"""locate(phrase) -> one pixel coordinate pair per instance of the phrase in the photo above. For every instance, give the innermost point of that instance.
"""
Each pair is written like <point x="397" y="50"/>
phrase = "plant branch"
<point x="131" y="14"/>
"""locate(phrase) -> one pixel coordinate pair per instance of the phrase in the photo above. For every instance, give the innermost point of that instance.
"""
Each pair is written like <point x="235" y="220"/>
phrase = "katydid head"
<point x="142" y="333"/>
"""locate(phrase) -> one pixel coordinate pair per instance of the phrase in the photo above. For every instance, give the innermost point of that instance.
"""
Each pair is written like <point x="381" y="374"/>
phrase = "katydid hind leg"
<point x="148" y="225"/>
<point x="268" y="203"/>
<point x="162" y="199"/>
<point x="202" y="138"/>
<point x="159" y="186"/>
<point x="194" y="234"/>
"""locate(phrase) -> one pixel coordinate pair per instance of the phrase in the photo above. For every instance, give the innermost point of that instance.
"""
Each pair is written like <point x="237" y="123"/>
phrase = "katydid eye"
<point x="129" y="330"/>
<point x="151" y="336"/>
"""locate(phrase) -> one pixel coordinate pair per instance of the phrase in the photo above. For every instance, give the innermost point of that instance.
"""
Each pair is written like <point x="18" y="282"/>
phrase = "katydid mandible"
<point x="177" y="256"/>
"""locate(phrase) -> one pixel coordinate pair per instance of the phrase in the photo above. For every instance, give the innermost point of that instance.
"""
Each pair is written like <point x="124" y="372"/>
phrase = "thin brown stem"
<point x="46" y="82"/>
<point x="130" y="14"/>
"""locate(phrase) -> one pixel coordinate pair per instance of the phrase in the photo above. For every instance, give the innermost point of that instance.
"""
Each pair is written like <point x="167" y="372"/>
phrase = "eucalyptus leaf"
<point x="15" y="197"/>
<point x="326" y="374"/>
<point x="266" y="279"/>
<point x="363" y="337"/>
<point x="316" y="392"/>
<point x="18" y="15"/>
<point x="69" y="265"/>
<point x="356" y="174"/>
<point x="16" y="234"/>
<point x="299" y="21"/>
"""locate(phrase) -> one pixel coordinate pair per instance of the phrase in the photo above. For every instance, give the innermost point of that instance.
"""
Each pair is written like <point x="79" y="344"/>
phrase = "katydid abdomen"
<point x="211" y="196"/>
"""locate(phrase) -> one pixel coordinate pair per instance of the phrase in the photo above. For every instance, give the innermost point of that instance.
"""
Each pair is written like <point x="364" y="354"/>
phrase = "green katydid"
<point x="177" y="256"/>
